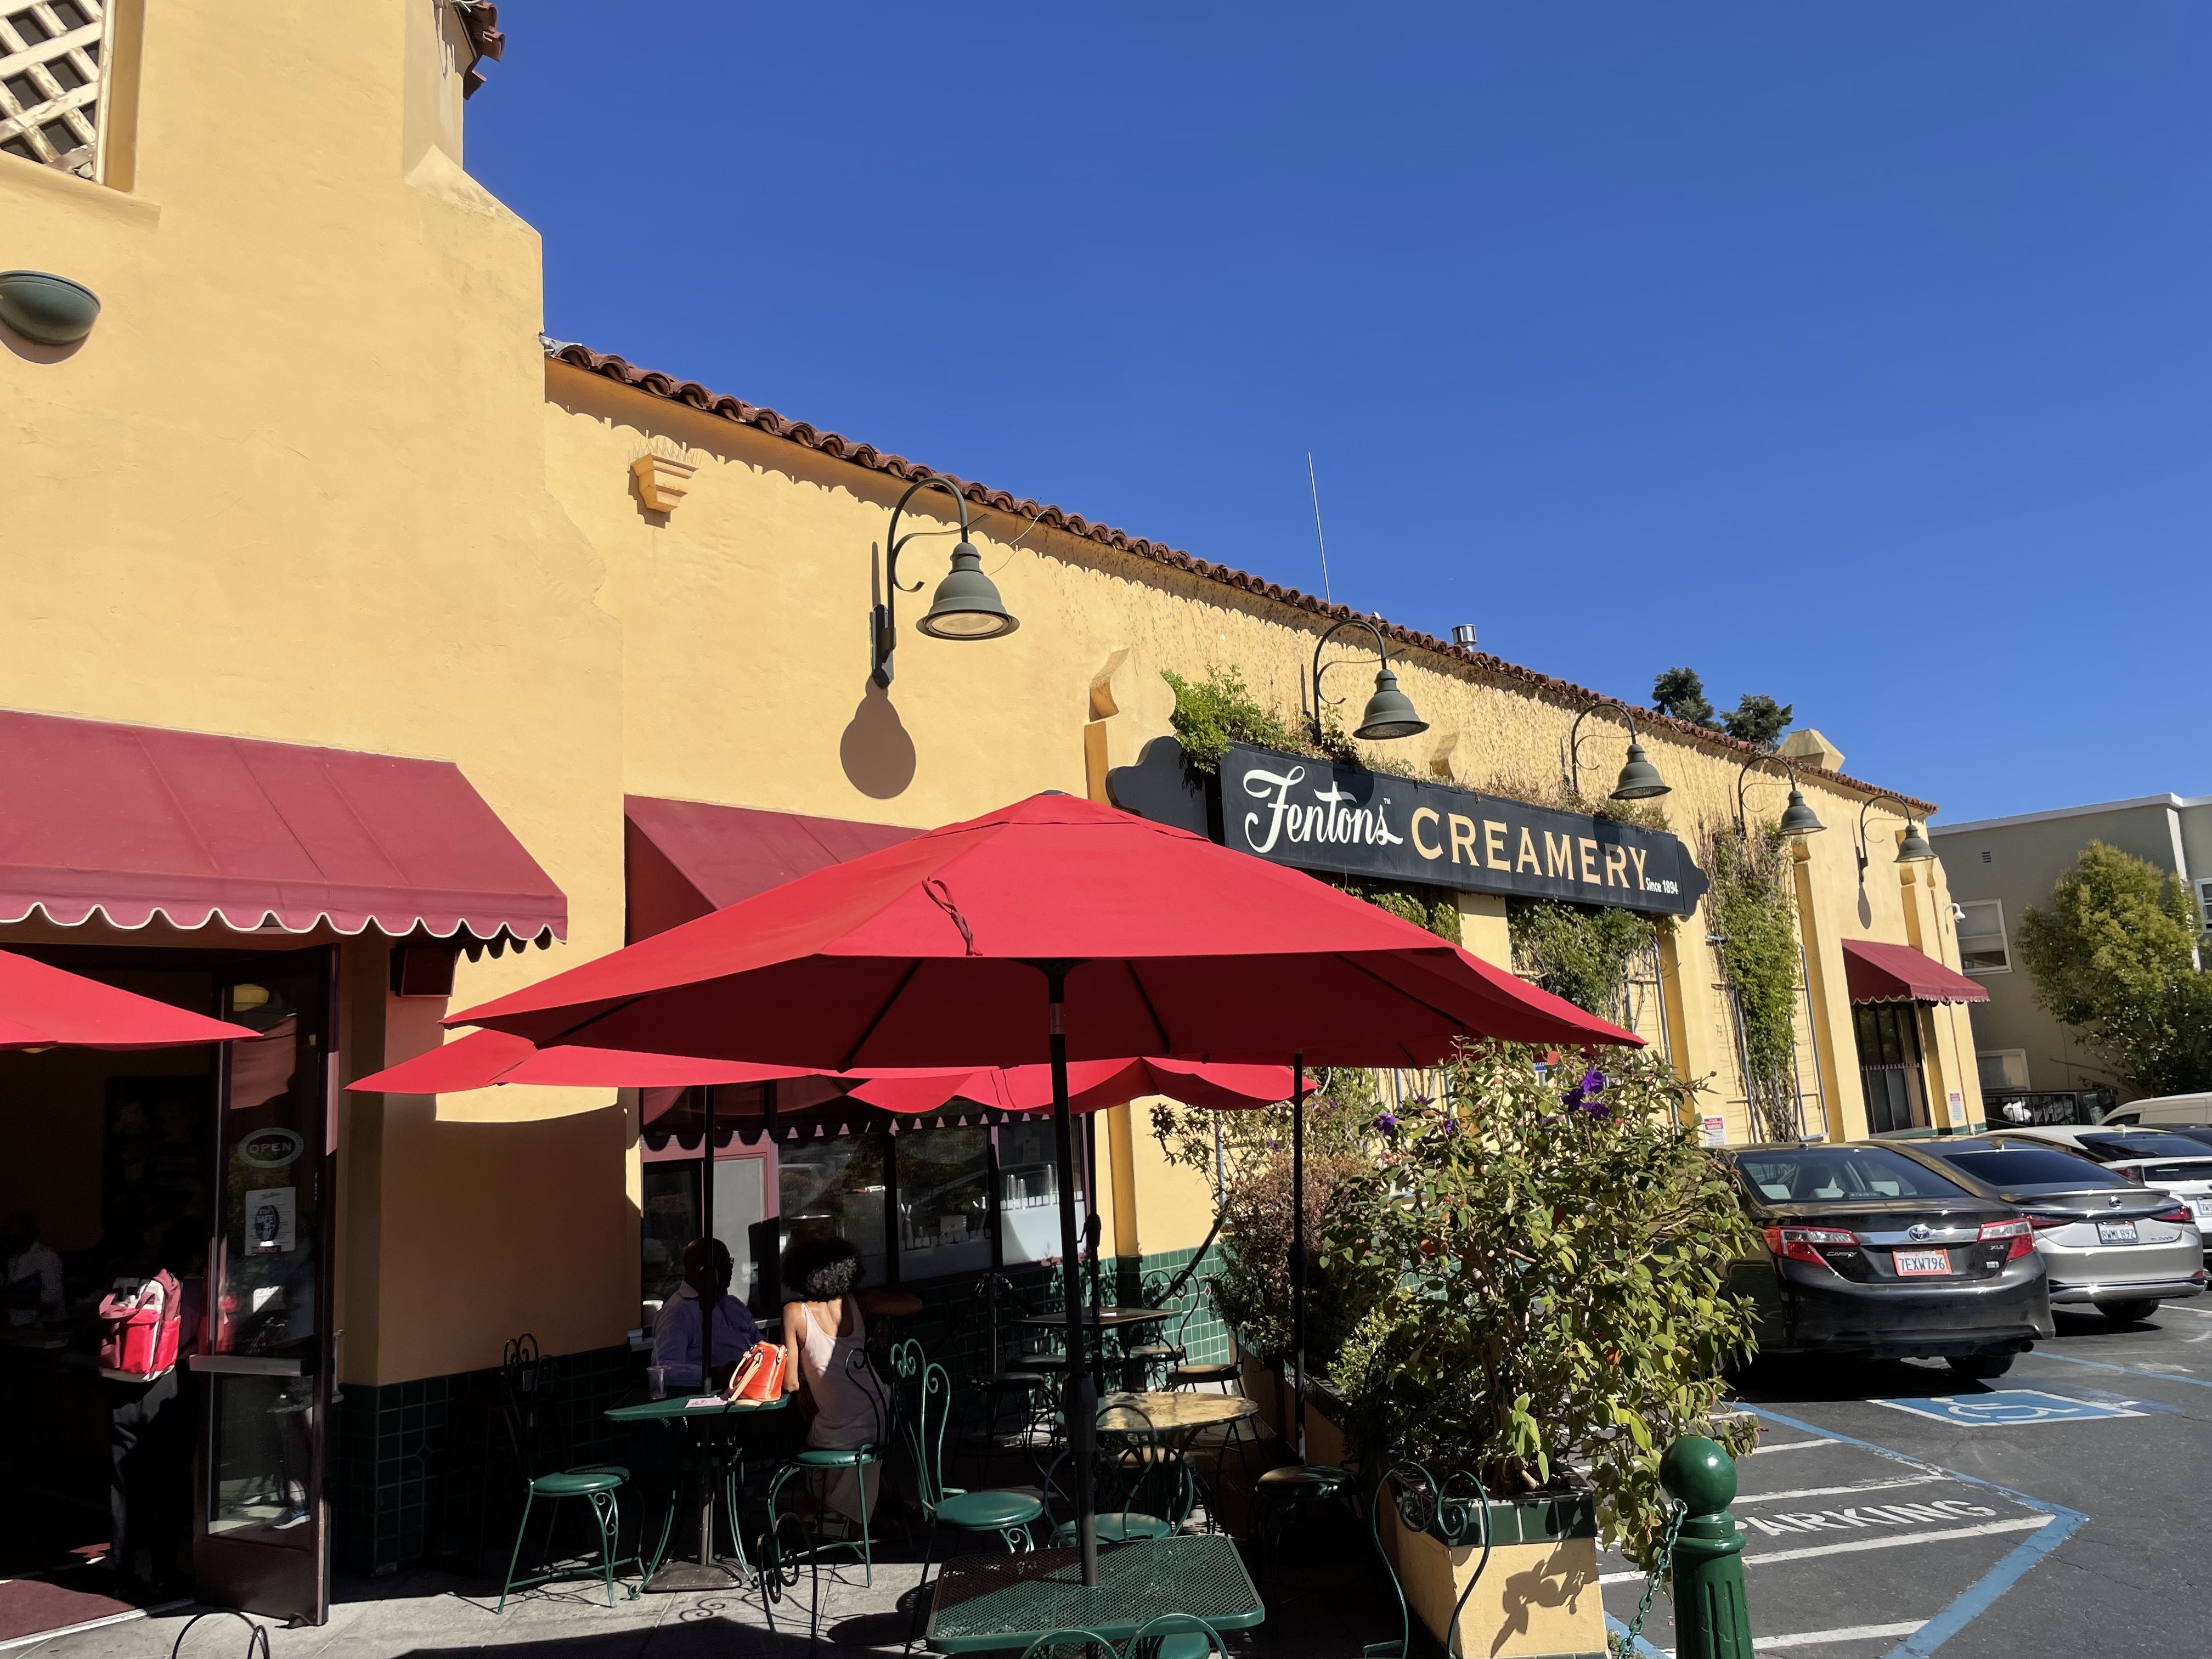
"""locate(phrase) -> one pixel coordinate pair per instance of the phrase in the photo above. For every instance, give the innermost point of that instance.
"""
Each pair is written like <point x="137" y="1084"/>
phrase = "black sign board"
<point x="1316" y="816"/>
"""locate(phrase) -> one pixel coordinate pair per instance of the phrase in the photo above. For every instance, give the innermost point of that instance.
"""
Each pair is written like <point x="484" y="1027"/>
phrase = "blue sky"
<point x="1855" y="355"/>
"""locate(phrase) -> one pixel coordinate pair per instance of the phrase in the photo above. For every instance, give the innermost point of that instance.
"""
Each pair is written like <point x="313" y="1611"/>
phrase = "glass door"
<point x="260" y="1539"/>
<point x="1888" y="1040"/>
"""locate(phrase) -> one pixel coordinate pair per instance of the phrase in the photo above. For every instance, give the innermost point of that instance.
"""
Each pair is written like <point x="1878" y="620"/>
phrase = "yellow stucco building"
<point x="314" y="480"/>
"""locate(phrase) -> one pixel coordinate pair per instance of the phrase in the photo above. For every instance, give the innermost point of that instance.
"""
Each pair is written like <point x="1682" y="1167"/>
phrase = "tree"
<point x="2114" y="956"/>
<point x="1757" y="720"/>
<point x="1680" y="693"/>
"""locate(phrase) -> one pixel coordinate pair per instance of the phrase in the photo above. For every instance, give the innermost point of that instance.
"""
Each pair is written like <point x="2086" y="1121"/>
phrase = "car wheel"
<point x="2126" y="1313"/>
<point x="1980" y="1365"/>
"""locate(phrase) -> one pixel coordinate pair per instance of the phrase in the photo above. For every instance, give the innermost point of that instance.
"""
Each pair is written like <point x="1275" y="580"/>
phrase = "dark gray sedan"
<point x="2107" y="1241"/>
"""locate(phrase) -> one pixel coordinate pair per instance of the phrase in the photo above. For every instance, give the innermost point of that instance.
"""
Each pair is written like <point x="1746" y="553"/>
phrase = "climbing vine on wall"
<point x="1752" y="908"/>
<point x="1582" y="952"/>
<point x="1211" y="714"/>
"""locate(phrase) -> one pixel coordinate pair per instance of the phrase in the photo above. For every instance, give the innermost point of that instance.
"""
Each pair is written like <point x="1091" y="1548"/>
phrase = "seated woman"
<point x="824" y="1327"/>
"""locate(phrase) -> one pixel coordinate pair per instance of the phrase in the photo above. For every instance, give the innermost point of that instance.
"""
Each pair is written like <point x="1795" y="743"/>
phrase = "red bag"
<point x="759" y="1374"/>
<point x="141" y="1323"/>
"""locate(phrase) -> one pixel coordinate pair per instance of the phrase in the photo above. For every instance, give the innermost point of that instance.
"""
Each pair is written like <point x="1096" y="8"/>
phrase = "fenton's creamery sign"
<point x="1298" y="811"/>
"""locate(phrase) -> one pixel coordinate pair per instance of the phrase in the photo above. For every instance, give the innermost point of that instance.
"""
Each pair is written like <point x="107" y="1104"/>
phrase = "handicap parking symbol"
<point x="2010" y="1407"/>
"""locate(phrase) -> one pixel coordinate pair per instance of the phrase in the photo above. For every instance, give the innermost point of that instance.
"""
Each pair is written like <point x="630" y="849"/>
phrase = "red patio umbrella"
<point x="46" y="1007"/>
<point x="482" y="1059"/>
<point x="1049" y="930"/>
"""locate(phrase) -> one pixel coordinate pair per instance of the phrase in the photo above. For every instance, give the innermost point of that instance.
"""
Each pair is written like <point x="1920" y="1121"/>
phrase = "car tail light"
<point x="1805" y="1243"/>
<point x="2178" y="1213"/>
<point x="2019" y="1230"/>
<point x="2040" y="1221"/>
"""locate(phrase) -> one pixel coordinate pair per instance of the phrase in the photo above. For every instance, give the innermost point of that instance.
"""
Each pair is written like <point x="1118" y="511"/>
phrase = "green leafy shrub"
<point x="1555" y="1244"/>
<point x="1210" y="716"/>
<point x="1342" y="1188"/>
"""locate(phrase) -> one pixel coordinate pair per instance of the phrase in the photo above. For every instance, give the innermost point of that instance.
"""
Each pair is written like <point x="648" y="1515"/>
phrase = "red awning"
<point x="1898" y="973"/>
<point x="684" y="858"/>
<point x="133" y="822"/>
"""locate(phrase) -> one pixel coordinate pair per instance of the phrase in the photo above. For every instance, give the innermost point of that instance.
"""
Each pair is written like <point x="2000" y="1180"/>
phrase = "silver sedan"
<point x="2105" y="1240"/>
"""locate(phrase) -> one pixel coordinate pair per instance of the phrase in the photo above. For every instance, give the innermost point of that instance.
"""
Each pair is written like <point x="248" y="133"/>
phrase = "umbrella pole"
<point x="1080" y="1405"/>
<point x="710" y="1297"/>
<point x="1298" y="1249"/>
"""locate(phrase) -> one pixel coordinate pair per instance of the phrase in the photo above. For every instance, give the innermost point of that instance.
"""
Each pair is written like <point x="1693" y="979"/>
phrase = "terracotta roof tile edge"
<point x="655" y="384"/>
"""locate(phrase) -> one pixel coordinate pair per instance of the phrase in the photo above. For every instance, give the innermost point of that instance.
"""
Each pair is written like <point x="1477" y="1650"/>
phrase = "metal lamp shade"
<point x="1390" y="713"/>
<point x="1798" y="819"/>
<point x="1914" y="848"/>
<point x="967" y="605"/>
<point x="1639" y="779"/>
<point x="49" y="309"/>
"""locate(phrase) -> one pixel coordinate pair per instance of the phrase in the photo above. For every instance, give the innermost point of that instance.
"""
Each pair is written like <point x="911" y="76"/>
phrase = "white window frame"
<point x="2204" y="904"/>
<point x="2001" y="936"/>
<point x="84" y="49"/>
<point x="1981" y="1055"/>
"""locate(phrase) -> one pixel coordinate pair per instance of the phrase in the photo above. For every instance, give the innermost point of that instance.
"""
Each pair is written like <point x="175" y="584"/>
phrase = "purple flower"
<point x="1594" y="1081"/>
<point x="1387" y="1122"/>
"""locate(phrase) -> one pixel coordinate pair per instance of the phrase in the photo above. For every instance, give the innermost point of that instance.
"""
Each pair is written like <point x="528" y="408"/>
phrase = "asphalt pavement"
<point x="1900" y="1509"/>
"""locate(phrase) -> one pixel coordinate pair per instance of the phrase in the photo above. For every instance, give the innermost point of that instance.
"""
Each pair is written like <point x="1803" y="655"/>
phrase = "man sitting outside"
<point x="676" y="1328"/>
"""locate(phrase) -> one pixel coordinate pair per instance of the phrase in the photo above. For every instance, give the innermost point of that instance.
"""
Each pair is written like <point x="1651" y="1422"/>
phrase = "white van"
<point x="2192" y="1110"/>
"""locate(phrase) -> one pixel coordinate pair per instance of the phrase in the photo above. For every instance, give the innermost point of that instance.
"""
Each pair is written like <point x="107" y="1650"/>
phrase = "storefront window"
<point x="670" y="1220"/>
<point x="836" y="1185"/>
<point x="944" y="1202"/>
<point x="1029" y="1193"/>
<point x="1889" y="1067"/>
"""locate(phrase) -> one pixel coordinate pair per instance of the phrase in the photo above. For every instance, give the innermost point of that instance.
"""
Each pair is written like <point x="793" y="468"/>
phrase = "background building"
<point x="1999" y="867"/>
<point x="369" y="655"/>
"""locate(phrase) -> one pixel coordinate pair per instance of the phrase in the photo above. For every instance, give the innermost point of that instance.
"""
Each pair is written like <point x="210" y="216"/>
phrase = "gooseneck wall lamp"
<point x="966" y="604"/>
<point x="1390" y="713"/>
<point x="1913" y="849"/>
<point x="1639" y="779"/>
<point x="1798" y="820"/>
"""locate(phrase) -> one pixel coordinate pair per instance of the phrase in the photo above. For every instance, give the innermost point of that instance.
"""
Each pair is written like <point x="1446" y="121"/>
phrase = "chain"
<point x="1625" y="1644"/>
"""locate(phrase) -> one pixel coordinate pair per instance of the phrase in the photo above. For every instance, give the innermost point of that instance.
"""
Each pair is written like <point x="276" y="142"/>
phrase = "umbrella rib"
<point x="1167" y="1043"/>
<point x="569" y="1032"/>
<point x="1401" y="991"/>
<point x="913" y="967"/>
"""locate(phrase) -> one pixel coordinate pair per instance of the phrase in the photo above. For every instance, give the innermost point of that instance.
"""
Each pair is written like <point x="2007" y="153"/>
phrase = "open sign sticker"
<point x="271" y="1149"/>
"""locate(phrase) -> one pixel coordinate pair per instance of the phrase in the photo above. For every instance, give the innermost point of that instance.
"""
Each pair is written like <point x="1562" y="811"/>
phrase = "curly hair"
<point x="821" y="1269"/>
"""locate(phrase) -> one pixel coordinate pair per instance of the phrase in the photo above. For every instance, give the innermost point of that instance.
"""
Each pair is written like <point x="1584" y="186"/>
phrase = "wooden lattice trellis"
<point x="50" y="81"/>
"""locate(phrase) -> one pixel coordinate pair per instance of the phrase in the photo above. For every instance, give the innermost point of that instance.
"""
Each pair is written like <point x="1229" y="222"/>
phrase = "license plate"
<point x="2116" y="1233"/>
<point x="1919" y="1264"/>
<point x="2202" y="1206"/>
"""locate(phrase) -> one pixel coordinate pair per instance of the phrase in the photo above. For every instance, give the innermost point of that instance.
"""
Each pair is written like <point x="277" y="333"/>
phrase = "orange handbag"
<point x="759" y="1374"/>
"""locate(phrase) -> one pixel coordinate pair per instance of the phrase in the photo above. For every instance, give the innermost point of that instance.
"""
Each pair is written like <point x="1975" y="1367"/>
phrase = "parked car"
<point x="2106" y="1242"/>
<point x="2163" y="1112"/>
<point x="1875" y="1254"/>
<point x="2157" y="1158"/>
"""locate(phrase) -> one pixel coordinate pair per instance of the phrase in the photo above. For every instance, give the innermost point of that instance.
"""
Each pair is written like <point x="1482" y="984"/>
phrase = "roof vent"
<point x="1463" y="633"/>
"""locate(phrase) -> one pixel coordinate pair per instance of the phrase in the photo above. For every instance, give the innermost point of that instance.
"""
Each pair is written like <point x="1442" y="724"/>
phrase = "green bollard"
<point x="1711" y="1619"/>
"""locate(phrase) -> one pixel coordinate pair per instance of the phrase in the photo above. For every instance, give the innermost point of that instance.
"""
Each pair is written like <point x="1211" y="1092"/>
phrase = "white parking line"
<point x="1836" y="1492"/>
<point x="1891" y="1540"/>
<point x="1850" y="1633"/>
<point x="2031" y="1523"/>
<point x="1792" y="1445"/>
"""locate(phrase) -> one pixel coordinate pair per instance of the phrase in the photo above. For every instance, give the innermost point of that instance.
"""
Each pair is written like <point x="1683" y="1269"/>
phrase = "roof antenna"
<point x="1314" y="486"/>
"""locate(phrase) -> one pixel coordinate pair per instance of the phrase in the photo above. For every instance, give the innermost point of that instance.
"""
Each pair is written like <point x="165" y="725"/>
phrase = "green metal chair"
<point x="830" y="1460"/>
<point x="1424" y="1506"/>
<point x="995" y="1381"/>
<point x="1142" y="1487"/>
<point x="531" y="1415"/>
<point x="1177" y="1636"/>
<point x="1163" y="1354"/>
<point x="925" y="1396"/>
<point x="1055" y="1643"/>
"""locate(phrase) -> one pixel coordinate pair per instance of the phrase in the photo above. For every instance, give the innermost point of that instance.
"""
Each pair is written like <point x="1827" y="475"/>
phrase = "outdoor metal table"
<point x="1096" y="1322"/>
<point x="713" y="1424"/>
<point x="983" y="1602"/>
<point x="1178" y="1418"/>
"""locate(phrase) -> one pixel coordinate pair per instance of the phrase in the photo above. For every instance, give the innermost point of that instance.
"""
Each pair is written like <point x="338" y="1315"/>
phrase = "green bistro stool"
<point x="830" y="1460"/>
<point x="531" y="1415"/>
<point x="924" y="1408"/>
<point x="1293" y="1493"/>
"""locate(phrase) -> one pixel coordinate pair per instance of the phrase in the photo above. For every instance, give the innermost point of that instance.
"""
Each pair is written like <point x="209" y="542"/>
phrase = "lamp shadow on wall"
<point x="875" y="749"/>
<point x="33" y="351"/>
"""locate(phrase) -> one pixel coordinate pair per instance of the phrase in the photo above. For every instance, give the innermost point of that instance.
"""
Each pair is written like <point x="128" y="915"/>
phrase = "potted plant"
<point x="1558" y="1241"/>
